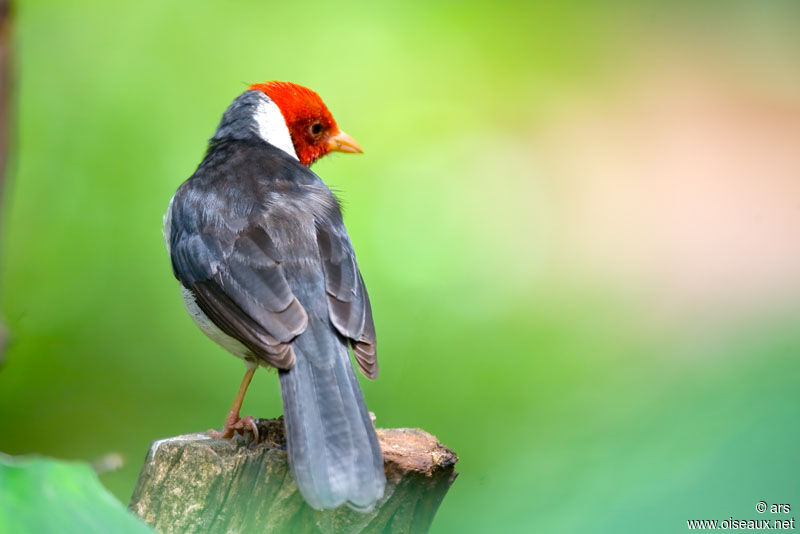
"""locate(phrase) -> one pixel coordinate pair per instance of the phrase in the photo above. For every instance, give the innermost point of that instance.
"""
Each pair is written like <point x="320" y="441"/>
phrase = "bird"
<point x="267" y="271"/>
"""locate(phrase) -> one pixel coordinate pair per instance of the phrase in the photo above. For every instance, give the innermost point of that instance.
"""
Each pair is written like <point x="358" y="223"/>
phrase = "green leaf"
<point x="41" y="495"/>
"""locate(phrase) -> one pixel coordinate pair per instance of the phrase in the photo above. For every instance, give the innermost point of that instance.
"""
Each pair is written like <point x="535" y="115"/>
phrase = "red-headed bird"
<point x="267" y="271"/>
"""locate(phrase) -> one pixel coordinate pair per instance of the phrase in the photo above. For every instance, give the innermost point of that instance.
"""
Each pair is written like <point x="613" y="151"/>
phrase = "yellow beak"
<point x="341" y="142"/>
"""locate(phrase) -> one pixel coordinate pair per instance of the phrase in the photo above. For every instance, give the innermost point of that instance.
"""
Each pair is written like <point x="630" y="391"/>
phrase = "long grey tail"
<point x="333" y="449"/>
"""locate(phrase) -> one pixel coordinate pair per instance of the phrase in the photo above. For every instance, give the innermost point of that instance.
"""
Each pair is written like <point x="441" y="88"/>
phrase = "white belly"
<point x="232" y="345"/>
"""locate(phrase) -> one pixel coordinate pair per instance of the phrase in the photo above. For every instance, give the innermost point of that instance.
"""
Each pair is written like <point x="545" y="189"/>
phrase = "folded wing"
<point x="348" y="301"/>
<point x="238" y="282"/>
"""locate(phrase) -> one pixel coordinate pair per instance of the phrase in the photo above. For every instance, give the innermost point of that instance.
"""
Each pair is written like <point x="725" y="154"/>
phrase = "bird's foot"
<point x="233" y="424"/>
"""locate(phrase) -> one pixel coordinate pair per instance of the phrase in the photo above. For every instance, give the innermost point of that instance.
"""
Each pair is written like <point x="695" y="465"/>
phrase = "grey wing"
<point x="238" y="282"/>
<point x="348" y="301"/>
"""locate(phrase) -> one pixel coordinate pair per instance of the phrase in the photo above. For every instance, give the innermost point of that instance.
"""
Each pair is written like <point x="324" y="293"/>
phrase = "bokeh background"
<point x="579" y="224"/>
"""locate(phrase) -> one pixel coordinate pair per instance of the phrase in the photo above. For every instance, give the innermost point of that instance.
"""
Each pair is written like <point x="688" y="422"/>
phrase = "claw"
<point x="233" y="424"/>
<point x="248" y="422"/>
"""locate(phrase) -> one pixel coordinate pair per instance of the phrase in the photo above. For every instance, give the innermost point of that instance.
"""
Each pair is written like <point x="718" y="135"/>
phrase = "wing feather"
<point x="348" y="301"/>
<point x="242" y="288"/>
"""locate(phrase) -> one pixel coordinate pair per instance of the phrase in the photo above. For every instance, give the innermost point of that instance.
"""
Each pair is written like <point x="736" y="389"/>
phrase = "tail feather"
<point x="333" y="449"/>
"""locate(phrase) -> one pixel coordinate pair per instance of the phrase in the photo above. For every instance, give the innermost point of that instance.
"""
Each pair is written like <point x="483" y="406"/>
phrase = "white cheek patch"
<point x="272" y="127"/>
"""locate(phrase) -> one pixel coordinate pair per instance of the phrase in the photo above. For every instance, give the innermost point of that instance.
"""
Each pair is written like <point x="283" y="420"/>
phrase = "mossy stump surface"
<point x="194" y="483"/>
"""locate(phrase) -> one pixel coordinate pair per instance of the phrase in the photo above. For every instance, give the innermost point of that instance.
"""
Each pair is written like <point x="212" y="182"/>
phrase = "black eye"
<point x="316" y="128"/>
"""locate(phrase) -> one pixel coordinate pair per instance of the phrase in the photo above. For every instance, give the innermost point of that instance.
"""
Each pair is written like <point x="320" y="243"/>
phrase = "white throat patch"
<point x="272" y="126"/>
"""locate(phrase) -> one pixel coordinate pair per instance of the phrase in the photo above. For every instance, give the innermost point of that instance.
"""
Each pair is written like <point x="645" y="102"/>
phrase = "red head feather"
<point x="312" y="128"/>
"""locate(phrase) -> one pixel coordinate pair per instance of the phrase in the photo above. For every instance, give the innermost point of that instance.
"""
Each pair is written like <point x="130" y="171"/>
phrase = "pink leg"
<point x="234" y="423"/>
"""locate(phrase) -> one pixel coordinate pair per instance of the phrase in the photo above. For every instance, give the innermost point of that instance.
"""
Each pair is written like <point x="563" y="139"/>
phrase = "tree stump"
<point x="194" y="483"/>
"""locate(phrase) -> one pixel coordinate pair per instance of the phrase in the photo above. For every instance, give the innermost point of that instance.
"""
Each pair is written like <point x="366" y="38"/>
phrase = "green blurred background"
<point x="579" y="224"/>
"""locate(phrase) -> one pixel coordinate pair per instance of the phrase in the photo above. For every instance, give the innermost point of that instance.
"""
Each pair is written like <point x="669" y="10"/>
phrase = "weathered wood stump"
<point x="194" y="483"/>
